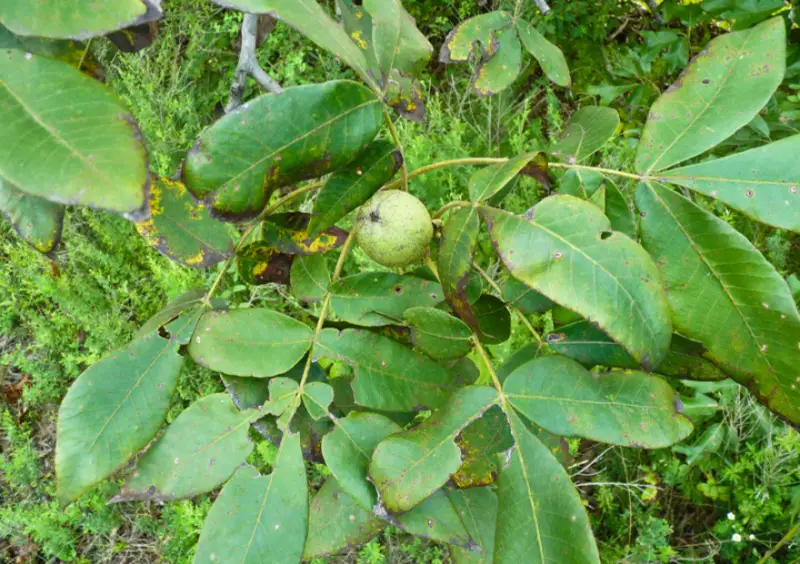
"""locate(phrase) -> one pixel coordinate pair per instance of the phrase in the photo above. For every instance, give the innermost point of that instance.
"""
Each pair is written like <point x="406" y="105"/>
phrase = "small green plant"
<point x="417" y="425"/>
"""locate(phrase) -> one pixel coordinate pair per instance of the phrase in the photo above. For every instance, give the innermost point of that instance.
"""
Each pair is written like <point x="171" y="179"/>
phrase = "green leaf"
<point x="568" y="252"/>
<point x="762" y="183"/>
<point x="73" y="134"/>
<point x="497" y="71"/>
<point x="336" y="522"/>
<point x="183" y="304"/>
<point x="397" y="42"/>
<point x="492" y="179"/>
<point x="459" y="43"/>
<point x="283" y="399"/>
<point x="354" y="184"/>
<point x="288" y="233"/>
<point x="348" y="450"/>
<point x="71" y="52"/>
<point x="550" y="57"/>
<point x="408" y="467"/>
<point x="478" y="510"/>
<point x="404" y="94"/>
<point x="260" y="263"/>
<point x="494" y="321"/>
<point x="454" y="260"/>
<point x="113" y="410"/>
<point x="388" y="376"/>
<point x="721" y="90"/>
<point x="246" y="392"/>
<point x="734" y="302"/>
<point x="599" y="198"/>
<point x="310" y="278"/>
<point x="373" y="299"/>
<point x="586" y="132"/>
<point x="259" y="519"/>
<point x="317" y="397"/>
<point x="200" y="450"/>
<point x="627" y="408"/>
<point x="619" y="211"/>
<point x="525" y="299"/>
<point x="181" y="229"/>
<point x="435" y="518"/>
<point x="76" y="19"/>
<point x="249" y="342"/>
<point x="479" y="442"/>
<point x="306" y="132"/>
<point x="36" y="220"/>
<point x="307" y="17"/>
<point x="521" y="356"/>
<point x="437" y="333"/>
<point x="540" y="516"/>
<point x="582" y="341"/>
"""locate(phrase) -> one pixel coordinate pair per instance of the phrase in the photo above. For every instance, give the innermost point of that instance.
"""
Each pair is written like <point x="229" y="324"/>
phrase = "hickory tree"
<point x="655" y="287"/>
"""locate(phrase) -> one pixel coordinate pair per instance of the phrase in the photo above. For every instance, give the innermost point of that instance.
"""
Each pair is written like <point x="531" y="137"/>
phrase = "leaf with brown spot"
<point x="454" y="260"/>
<point x="480" y="442"/>
<point x="181" y="228"/>
<point x="258" y="264"/>
<point x="459" y="43"/>
<point x="497" y="71"/>
<point x="288" y="233"/>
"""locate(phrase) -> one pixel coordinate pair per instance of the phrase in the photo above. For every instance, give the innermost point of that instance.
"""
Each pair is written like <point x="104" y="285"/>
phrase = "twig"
<point x="653" y="5"/>
<point x="786" y="538"/>
<point x="543" y="7"/>
<point x="248" y="65"/>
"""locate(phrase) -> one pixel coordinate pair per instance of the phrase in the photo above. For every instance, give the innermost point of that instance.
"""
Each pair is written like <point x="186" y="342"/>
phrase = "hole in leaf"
<point x="605" y="235"/>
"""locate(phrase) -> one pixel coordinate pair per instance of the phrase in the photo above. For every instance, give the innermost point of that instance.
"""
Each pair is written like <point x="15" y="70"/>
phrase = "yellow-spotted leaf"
<point x="289" y="234"/>
<point x="36" y="220"/>
<point x="408" y="467"/>
<point x="260" y="263"/>
<point x="181" y="229"/>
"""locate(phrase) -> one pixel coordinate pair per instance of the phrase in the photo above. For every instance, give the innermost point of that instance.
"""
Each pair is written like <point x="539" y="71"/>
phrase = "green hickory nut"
<point x="394" y="229"/>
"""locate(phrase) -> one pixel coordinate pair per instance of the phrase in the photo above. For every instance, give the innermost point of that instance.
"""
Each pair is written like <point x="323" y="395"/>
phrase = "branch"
<point x="248" y="65"/>
<point x="653" y="5"/>
<point x="543" y="7"/>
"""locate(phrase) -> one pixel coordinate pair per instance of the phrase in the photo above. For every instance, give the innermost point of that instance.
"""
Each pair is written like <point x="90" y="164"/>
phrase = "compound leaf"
<point x="497" y="71"/>
<point x="735" y="303"/>
<point x="454" y="260"/>
<point x="257" y="518"/>
<point x="762" y="183"/>
<point x="408" y="467"/>
<point x="181" y="229"/>
<point x="348" y="450"/>
<point x="627" y="408"/>
<point x="76" y="19"/>
<point x="437" y="333"/>
<point x="200" y="450"/>
<point x="373" y="299"/>
<point x="354" y="184"/>
<point x="458" y="45"/>
<point x="388" y="376"/>
<point x="540" y="516"/>
<point x="305" y="132"/>
<point x="310" y="278"/>
<point x="83" y="148"/>
<point x="550" y="57"/>
<point x="568" y="252"/>
<point x="490" y="180"/>
<point x="721" y="90"/>
<point x="112" y="410"/>
<point x="586" y="132"/>
<point x="38" y="221"/>
<point x="251" y="342"/>
<point x="335" y="522"/>
<point x="477" y="508"/>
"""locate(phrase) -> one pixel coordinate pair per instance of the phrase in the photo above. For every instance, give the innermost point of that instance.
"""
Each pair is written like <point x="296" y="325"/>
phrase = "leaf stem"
<point x="445" y="164"/>
<point x="516" y="309"/>
<point x="488" y="362"/>
<point x="786" y="538"/>
<point x="323" y="314"/>
<point x="611" y="171"/>
<point x="269" y="210"/>
<point x="450" y="206"/>
<point x="396" y="138"/>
